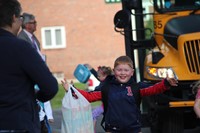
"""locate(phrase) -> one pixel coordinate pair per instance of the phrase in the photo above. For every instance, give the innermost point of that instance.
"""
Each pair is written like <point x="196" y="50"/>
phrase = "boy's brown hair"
<point x="123" y="60"/>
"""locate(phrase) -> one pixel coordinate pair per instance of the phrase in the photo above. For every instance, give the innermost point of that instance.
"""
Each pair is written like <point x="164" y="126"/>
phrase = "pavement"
<point x="56" y="126"/>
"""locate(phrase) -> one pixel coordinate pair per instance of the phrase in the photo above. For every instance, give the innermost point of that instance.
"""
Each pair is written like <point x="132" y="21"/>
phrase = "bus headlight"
<point x="161" y="72"/>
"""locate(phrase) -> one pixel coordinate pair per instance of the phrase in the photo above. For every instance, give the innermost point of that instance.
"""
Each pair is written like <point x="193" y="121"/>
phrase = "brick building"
<point x="75" y="31"/>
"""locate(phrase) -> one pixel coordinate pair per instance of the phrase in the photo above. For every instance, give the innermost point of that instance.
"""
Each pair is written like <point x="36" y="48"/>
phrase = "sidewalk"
<point x="56" y="126"/>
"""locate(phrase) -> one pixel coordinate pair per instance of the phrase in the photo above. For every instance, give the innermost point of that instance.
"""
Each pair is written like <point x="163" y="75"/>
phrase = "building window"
<point x="53" y="37"/>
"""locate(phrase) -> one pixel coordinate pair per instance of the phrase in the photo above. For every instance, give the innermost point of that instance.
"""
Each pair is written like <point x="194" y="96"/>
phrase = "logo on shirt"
<point x="129" y="91"/>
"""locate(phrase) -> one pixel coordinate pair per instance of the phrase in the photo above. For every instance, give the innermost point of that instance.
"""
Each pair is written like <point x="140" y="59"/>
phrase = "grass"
<point x="56" y="102"/>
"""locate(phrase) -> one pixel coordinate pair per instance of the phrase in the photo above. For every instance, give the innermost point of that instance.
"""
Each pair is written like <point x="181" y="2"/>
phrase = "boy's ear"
<point x="133" y="72"/>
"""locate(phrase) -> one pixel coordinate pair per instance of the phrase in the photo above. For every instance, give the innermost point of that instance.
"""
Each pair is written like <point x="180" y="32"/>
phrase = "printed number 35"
<point x="158" y="24"/>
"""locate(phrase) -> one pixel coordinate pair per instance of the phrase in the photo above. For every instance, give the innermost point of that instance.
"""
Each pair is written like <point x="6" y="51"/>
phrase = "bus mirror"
<point x="122" y="19"/>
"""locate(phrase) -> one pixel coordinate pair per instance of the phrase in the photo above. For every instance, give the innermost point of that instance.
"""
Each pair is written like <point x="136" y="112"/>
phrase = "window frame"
<point x="53" y="38"/>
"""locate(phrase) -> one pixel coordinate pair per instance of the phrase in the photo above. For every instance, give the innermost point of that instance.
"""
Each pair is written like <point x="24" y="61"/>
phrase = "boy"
<point x="122" y="113"/>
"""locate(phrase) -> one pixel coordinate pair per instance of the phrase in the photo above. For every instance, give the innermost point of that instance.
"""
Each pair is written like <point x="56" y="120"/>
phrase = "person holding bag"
<point x="121" y="97"/>
<point x="76" y="112"/>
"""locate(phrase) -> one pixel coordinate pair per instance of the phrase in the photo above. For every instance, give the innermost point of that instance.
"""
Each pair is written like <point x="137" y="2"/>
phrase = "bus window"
<point x="163" y="6"/>
<point x="184" y="2"/>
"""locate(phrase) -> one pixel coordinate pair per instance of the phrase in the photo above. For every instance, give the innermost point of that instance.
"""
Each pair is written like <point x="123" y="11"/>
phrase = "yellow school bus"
<point x="173" y="50"/>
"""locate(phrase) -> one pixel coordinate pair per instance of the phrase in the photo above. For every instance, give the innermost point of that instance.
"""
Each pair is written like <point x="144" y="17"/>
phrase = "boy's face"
<point x="123" y="73"/>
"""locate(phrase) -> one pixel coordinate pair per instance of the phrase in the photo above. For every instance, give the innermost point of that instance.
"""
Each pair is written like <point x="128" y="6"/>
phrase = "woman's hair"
<point x="105" y="70"/>
<point x="123" y="60"/>
<point x="8" y="8"/>
<point x="195" y="87"/>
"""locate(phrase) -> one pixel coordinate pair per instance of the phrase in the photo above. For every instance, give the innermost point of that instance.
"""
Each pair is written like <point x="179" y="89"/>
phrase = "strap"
<point x="73" y="93"/>
<point x="104" y="93"/>
<point x="135" y="87"/>
<point x="103" y="122"/>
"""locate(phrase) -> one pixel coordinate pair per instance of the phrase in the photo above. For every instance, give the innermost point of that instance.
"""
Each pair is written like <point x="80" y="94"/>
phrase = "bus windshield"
<point x="164" y="6"/>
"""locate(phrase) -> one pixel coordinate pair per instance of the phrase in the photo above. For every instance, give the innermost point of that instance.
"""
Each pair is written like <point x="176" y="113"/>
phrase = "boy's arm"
<point x="155" y="89"/>
<point x="91" y="96"/>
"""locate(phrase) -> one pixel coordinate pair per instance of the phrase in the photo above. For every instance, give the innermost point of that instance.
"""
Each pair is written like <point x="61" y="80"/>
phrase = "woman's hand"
<point x="65" y="84"/>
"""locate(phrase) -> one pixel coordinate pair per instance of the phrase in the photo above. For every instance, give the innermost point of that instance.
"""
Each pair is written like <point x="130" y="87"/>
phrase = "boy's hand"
<point x="172" y="81"/>
<point x="65" y="84"/>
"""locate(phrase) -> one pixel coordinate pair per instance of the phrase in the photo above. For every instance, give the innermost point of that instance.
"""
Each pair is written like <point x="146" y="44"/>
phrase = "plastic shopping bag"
<point x="77" y="114"/>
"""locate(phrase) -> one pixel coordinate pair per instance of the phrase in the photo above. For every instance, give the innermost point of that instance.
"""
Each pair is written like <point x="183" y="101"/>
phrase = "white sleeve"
<point x="48" y="110"/>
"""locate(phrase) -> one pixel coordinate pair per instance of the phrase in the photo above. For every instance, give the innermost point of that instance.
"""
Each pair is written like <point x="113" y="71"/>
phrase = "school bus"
<point x="172" y="50"/>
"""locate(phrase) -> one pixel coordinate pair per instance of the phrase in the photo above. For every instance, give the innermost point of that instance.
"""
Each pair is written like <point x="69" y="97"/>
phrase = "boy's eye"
<point x="118" y="69"/>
